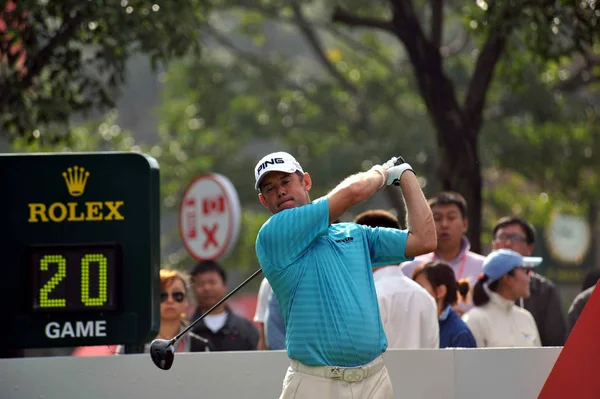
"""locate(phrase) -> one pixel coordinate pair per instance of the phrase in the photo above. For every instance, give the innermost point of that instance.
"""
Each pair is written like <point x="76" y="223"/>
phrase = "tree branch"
<point x="437" y="19"/>
<point x="456" y="46"/>
<point x="34" y="64"/>
<point x="484" y="70"/>
<point x="253" y="59"/>
<point x="344" y="17"/>
<point x="272" y="13"/>
<point x="578" y="81"/>
<point x="268" y="11"/>
<point x="317" y="47"/>
<point x="584" y="73"/>
<point x="357" y="45"/>
<point x="437" y="90"/>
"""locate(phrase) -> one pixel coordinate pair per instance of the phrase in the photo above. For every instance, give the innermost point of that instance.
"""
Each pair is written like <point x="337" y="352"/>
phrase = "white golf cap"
<point x="275" y="162"/>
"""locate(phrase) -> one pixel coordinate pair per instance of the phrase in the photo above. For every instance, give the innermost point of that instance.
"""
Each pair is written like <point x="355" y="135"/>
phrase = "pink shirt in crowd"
<point x="466" y="265"/>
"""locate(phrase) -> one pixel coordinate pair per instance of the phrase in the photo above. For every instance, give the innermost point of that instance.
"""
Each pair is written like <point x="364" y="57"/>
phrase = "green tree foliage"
<point x="58" y="59"/>
<point x="343" y="91"/>
<point x="95" y="135"/>
<point x="223" y="111"/>
<point x="335" y="86"/>
<point x="544" y="127"/>
<point x="498" y="30"/>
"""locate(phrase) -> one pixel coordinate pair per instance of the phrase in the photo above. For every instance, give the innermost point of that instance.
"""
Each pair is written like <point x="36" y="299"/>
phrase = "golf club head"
<point x="162" y="353"/>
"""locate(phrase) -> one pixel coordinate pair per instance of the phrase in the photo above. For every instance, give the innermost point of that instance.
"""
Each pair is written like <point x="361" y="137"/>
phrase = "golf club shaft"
<point x="226" y="297"/>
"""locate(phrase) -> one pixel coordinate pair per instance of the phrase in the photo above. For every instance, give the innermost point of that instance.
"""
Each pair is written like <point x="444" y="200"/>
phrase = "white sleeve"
<point x="430" y="328"/>
<point x="475" y="321"/>
<point x="382" y="301"/>
<point x="262" y="301"/>
<point x="537" y="340"/>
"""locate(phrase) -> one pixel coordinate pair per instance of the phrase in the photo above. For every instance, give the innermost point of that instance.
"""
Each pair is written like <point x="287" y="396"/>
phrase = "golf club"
<point x="162" y="351"/>
<point x="395" y="162"/>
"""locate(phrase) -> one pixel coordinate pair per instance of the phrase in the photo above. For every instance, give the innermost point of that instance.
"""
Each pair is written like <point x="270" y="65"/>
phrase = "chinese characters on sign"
<point x="209" y="217"/>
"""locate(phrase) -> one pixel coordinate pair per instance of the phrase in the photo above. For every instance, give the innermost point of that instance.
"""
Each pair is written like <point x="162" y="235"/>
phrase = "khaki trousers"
<point x="370" y="381"/>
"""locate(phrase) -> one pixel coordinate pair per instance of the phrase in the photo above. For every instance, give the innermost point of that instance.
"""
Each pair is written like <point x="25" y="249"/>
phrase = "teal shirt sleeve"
<point x="289" y="233"/>
<point x="386" y="245"/>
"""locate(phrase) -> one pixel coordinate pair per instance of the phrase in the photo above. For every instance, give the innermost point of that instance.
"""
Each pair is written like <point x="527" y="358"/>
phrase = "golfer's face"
<point x="281" y="190"/>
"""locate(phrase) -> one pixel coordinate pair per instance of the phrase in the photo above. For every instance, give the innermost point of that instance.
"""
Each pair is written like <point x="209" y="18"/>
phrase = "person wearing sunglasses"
<point x="495" y="320"/>
<point x="544" y="303"/>
<point x="173" y="303"/>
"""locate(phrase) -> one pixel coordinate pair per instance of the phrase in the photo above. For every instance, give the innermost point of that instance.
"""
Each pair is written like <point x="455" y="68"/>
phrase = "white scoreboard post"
<point x="210" y="217"/>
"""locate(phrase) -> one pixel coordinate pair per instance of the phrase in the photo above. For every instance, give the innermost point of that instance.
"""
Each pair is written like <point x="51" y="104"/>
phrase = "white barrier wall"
<point x="415" y="374"/>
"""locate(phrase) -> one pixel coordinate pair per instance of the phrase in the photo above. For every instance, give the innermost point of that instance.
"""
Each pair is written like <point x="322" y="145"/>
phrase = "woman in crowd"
<point x="495" y="320"/>
<point x="439" y="280"/>
<point x="173" y="303"/>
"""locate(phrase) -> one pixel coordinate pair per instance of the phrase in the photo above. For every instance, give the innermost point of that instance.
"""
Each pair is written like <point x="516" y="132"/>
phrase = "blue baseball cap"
<point x="501" y="261"/>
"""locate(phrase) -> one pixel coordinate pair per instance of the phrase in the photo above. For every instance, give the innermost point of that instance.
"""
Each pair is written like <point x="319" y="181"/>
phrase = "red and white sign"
<point x="209" y="217"/>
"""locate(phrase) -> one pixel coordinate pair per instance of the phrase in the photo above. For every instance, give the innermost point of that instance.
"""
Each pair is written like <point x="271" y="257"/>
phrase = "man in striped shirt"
<point x="321" y="273"/>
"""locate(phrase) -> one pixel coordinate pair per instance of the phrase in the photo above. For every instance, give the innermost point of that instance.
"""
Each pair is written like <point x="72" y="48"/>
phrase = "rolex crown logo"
<point x="76" y="178"/>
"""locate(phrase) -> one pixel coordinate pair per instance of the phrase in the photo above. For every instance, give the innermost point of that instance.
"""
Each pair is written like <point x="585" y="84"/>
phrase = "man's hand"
<point x="395" y="167"/>
<point x="395" y="161"/>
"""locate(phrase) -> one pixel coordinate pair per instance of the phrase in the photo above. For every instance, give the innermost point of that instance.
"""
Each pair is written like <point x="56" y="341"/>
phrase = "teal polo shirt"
<point x="323" y="279"/>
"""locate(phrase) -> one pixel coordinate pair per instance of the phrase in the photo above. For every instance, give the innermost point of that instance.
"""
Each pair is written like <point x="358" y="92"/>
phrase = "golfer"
<point x="321" y="274"/>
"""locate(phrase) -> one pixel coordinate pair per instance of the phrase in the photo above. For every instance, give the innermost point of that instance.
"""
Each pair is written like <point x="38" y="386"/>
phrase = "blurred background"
<point x="497" y="100"/>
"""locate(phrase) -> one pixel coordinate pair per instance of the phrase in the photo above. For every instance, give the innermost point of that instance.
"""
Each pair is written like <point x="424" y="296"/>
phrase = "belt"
<point x="348" y="374"/>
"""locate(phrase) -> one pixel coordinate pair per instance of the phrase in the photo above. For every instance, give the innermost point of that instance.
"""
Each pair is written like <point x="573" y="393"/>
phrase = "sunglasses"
<point x="177" y="296"/>
<point x="527" y="270"/>
<point x="511" y="237"/>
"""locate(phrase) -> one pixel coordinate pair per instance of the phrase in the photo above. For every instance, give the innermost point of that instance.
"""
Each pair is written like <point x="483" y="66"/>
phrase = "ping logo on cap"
<point x="268" y="162"/>
<point x="276" y="161"/>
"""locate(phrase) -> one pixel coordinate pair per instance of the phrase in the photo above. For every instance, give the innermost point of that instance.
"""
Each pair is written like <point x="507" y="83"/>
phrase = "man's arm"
<point x="576" y="308"/>
<point x="353" y="190"/>
<point x="261" y="306"/>
<point x="359" y="187"/>
<point x="554" y="330"/>
<point x="430" y="328"/>
<point x="252" y="336"/>
<point x="261" y="346"/>
<point x="275" y="326"/>
<point x="419" y="219"/>
<point x="537" y="341"/>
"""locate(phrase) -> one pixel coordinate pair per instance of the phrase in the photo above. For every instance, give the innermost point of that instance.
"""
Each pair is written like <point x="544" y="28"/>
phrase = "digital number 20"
<point x="61" y="273"/>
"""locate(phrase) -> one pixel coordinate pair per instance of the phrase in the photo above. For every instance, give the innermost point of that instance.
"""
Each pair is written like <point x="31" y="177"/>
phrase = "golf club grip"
<point x="226" y="297"/>
<point x="398" y="161"/>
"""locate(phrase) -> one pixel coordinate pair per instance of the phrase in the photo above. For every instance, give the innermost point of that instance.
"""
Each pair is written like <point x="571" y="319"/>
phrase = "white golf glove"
<point x="395" y="167"/>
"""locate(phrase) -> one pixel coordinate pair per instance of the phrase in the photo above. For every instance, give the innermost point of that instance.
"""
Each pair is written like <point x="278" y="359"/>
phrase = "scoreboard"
<point x="79" y="243"/>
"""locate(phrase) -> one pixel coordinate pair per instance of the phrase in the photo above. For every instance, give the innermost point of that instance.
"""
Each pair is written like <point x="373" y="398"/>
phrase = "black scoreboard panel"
<point x="79" y="240"/>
